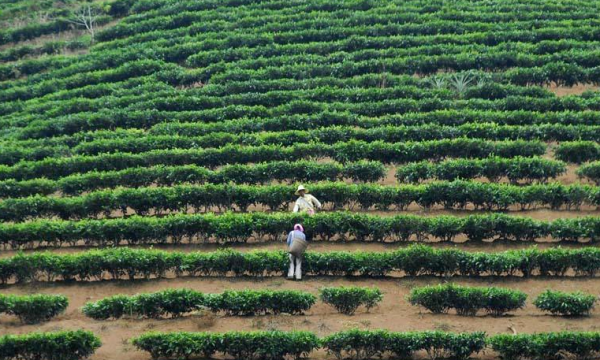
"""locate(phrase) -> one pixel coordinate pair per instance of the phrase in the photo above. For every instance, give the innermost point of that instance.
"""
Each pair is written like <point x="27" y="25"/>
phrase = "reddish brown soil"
<point x="394" y="313"/>
<point x="574" y="90"/>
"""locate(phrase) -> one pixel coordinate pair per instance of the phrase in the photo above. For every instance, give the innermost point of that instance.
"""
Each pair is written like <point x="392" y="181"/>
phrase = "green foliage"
<point x="416" y="260"/>
<point x="351" y="151"/>
<point x="259" y="302"/>
<point x="64" y="345"/>
<point x="543" y="346"/>
<point x="590" y="171"/>
<point x="467" y="300"/>
<point x="271" y="345"/>
<point x="577" y="152"/>
<point x="178" y="302"/>
<point x="347" y="299"/>
<point x="369" y="344"/>
<point x="527" y="169"/>
<point x="455" y="194"/>
<point x="239" y="228"/>
<point x="566" y="304"/>
<point x="32" y="309"/>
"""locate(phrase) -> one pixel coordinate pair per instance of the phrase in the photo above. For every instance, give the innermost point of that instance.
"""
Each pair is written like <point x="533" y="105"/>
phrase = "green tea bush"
<point x="240" y="228"/>
<point x="203" y="198"/>
<point x="270" y="345"/>
<point x="577" y="152"/>
<point x="467" y="300"/>
<point x="63" y="345"/>
<point x="347" y="299"/>
<point x="515" y="169"/>
<point x="352" y="151"/>
<point x="590" y="171"/>
<point x="32" y="309"/>
<point x="416" y="260"/>
<point x="566" y="304"/>
<point x="543" y="346"/>
<point x="260" y="302"/>
<point x="175" y="303"/>
<point x="369" y="344"/>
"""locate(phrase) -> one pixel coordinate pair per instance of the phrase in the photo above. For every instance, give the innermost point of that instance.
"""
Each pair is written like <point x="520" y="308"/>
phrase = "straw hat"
<point x="300" y="188"/>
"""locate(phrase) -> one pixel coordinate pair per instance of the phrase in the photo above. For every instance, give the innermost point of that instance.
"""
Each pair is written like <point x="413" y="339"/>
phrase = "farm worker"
<point x="306" y="202"/>
<point x="297" y="244"/>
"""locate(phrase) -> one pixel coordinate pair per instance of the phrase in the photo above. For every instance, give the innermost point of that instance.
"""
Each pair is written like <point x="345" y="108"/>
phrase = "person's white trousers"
<point x="295" y="267"/>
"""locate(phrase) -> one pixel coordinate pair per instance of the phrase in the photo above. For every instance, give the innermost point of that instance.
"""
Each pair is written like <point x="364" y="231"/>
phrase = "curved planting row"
<point x="64" y="345"/>
<point x="351" y="151"/>
<point x="200" y="135"/>
<point x="518" y="168"/>
<point x="14" y="152"/>
<point x="204" y="198"/>
<point x="370" y="344"/>
<point x="262" y="173"/>
<point x="31" y="309"/>
<point x="259" y="227"/>
<point x="235" y="119"/>
<point x="411" y="261"/>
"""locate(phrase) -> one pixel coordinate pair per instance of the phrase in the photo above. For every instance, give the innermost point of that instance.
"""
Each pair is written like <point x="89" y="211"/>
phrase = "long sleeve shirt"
<point x="307" y="203"/>
<point x="295" y="234"/>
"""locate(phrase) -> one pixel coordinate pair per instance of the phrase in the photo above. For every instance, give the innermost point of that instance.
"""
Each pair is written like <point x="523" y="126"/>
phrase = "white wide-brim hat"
<point x="300" y="188"/>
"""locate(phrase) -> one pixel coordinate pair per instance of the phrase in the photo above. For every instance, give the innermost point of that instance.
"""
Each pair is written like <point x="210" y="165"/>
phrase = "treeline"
<point x="412" y="261"/>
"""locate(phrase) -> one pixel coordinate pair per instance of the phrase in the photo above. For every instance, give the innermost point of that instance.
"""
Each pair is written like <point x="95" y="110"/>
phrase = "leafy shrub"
<point x="568" y="304"/>
<point x="203" y="198"/>
<point x="577" y="152"/>
<point x="33" y="309"/>
<point x="271" y="345"/>
<point x="64" y="345"/>
<point x="347" y="299"/>
<point x="175" y="303"/>
<point x="515" y="169"/>
<point x="258" y="302"/>
<point x="416" y="260"/>
<point x="239" y="228"/>
<point x="543" y="346"/>
<point x="368" y="344"/>
<point x="590" y="171"/>
<point x="467" y="300"/>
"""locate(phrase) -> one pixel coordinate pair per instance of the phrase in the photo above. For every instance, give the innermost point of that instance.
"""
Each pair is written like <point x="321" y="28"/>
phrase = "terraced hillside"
<point x="449" y="141"/>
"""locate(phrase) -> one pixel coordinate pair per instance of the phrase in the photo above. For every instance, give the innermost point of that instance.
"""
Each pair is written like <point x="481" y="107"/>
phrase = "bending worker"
<point x="306" y="202"/>
<point x="297" y="244"/>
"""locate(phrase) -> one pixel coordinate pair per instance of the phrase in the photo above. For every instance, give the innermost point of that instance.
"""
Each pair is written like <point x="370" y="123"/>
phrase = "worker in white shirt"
<point x="306" y="202"/>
